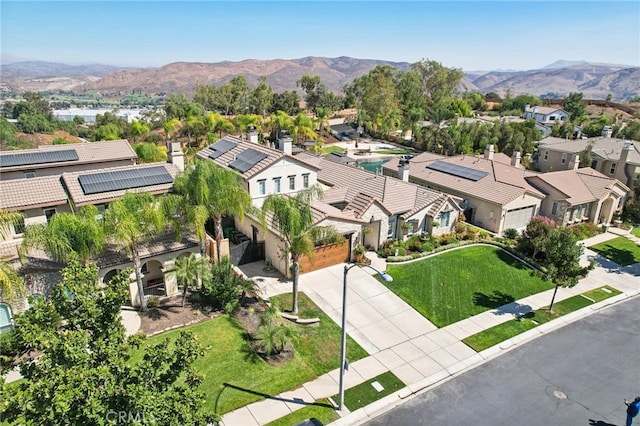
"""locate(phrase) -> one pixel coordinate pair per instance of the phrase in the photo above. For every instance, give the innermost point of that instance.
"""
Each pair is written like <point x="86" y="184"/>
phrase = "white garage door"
<point x="518" y="218"/>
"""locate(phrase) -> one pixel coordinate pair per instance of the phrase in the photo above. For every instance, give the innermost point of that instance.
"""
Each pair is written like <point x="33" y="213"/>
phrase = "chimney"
<point x="253" y="136"/>
<point x="535" y="109"/>
<point x="515" y="159"/>
<point x="488" y="152"/>
<point x="574" y="162"/>
<point x="403" y="170"/>
<point x="607" y="132"/>
<point x="624" y="155"/>
<point x="526" y="108"/>
<point x="175" y="154"/>
<point x="284" y="145"/>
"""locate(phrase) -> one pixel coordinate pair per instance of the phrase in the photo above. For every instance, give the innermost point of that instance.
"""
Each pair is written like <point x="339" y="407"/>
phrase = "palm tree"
<point x="279" y="121"/>
<point x="11" y="284"/>
<point x="132" y="221"/>
<point x="244" y="122"/>
<point x="216" y="123"/>
<point x="171" y="126"/>
<point x="217" y="191"/>
<point x="275" y="338"/>
<point x="303" y="126"/>
<point x="292" y="219"/>
<point x="67" y="235"/>
<point x="322" y="115"/>
<point x="188" y="270"/>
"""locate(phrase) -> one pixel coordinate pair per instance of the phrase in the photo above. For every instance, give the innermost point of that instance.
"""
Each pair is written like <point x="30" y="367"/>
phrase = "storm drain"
<point x="560" y="395"/>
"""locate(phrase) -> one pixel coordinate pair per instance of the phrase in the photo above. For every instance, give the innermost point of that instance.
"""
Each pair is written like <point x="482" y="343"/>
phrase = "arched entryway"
<point x="153" y="278"/>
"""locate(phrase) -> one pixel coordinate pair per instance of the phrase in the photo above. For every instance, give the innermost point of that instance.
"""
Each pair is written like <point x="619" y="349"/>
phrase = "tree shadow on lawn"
<point x="502" y="303"/>
<point x="511" y="260"/>
<point x="621" y="257"/>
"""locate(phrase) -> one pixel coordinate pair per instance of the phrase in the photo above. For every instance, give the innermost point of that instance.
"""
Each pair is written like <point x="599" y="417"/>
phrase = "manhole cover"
<point x="559" y="395"/>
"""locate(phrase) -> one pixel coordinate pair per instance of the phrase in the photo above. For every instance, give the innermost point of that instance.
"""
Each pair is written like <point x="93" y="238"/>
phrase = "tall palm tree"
<point x="322" y="115"/>
<point x="244" y="122"/>
<point x="171" y="126"/>
<point x="292" y="218"/>
<point x="278" y="121"/>
<point x="218" y="190"/>
<point x="303" y="127"/>
<point x="132" y="221"/>
<point x="11" y="285"/>
<point x="216" y="123"/>
<point x="188" y="270"/>
<point x="67" y="235"/>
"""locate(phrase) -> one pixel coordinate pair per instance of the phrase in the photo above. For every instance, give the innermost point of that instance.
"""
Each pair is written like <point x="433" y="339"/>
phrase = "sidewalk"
<point x="400" y="340"/>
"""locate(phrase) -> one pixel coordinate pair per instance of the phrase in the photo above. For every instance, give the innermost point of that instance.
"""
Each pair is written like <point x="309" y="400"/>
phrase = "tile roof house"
<point x="574" y="196"/>
<point x="495" y="196"/>
<point x="384" y="203"/>
<point x="616" y="158"/>
<point x="546" y="116"/>
<point x="52" y="160"/>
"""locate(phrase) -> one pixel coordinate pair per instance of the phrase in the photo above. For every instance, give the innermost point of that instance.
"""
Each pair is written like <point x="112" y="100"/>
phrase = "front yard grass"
<point x="461" y="283"/>
<point x="494" y="335"/>
<point x="233" y="377"/>
<point x="364" y="394"/>
<point x="321" y="410"/>
<point x="636" y="231"/>
<point x="620" y="250"/>
<point x="333" y="148"/>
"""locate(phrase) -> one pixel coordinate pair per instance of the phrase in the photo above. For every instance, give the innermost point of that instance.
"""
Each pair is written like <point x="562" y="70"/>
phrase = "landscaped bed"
<point x="494" y="335"/>
<point x="234" y="376"/>
<point x="461" y="283"/>
<point x="620" y="250"/>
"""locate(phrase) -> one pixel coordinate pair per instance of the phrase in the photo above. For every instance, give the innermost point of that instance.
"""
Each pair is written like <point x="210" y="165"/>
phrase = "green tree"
<point x="287" y="101"/>
<point x="586" y="156"/>
<point x="220" y="288"/>
<point x="322" y="116"/>
<point x="261" y="97"/>
<point x="137" y="129"/>
<point x="67" y="236"/>
<point x="562" y="260"/>
<point x="279" y="121"/>
<point x="211" y="191"/>
<point x="274" y="339"/>
<point x="303" y="127"/>
<point x="439" y="83"/>
<point x="575" y="106"/>
<point x="292" y="219"/>
<point x="149" y="152"/>
<point x="86" y="374"/>
<point x="171" y="126"/>
<point x="133" y="221"/>
<point x="536" y="236"/>
<point x="11" y="285"/>
<point x="188" y="271"/>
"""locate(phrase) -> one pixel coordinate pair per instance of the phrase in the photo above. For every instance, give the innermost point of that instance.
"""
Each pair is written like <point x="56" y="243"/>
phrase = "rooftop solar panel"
<point x="456" y="170"/>
<point x="117" y="180"/>
<point x="32" y="158"/>
<point x="247" y="159"/>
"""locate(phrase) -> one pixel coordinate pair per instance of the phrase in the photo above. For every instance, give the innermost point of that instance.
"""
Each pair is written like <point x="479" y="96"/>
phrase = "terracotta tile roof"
<point x="605" y="148"/>
<point x="272" y="155"/>
<point x="23" y="194"/>
<point x="79" y="198"/>
<point x="357" y="186"/>
<point x="580" y="186"/>
<point x="503" y="183"/>
<point x="322" y="210"/>
<point x="90" y="152"/>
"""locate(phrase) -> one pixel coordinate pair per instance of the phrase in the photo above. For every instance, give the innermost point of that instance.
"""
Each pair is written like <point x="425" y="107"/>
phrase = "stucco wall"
<point x="283" y="169"/>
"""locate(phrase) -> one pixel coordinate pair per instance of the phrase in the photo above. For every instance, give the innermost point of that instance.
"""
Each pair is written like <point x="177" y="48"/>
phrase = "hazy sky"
<point x="472" y="35"/>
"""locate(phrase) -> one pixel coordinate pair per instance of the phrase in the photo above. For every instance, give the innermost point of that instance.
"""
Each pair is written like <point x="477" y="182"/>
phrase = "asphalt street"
<point x="578" y="375"/>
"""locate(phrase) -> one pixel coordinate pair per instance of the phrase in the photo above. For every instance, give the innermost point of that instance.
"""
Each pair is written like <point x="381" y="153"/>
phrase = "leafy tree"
<point x="34" y="123"/>
<point x="67" y="235"/>
<point x="278" y="122"/>
<point x="149" y="152"/>
<point x="586" y="157"/>
<point x="261" y="97"/>
<point x="188" y="271"/>
<point x="292" y="219"/>
<point x="216" y="123"/>
<point x="536" y="236"/>
<point x="562" y="260"/>
<point x="137" y="129"/>
<point x="133" y="221"/>
<point x="575" y="106"/>
<point x="220" y="288"/>
<point x="86" y="373"/>
<point x="631" y="130"/>
<point x="287" y="101"/>
<point x="78" y="120"/>
<point x="313" y="89"/>
<point x="171" y="126"/>
<point x="178" y="106"/>
<point x="439" y="83"/>
<point x="247" y="122"/>
<point x="322" y="116"/>
<point x="11" y="285"/>
<point x="303" y="126"/>
<point x="211" y="191"/>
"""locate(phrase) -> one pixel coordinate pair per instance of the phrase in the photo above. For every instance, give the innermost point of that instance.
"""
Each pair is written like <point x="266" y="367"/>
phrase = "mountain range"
<point x="594" y="80"/>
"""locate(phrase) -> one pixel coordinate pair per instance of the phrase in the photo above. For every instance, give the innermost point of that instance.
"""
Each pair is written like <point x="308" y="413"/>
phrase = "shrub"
<point x="402" y="251"/>
<point x="153" y="302"/>
<point x="220" y="290"/>
<point x="511" y="234"/>
<point x="585" y="230"/>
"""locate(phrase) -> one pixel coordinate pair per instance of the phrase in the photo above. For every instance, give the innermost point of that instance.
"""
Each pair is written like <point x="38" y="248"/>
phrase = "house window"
<point x="554" y="209"/>
<point x="18" y="226"/>
<point x="443" y="219"/>
<point x="594" y="164"/>
<point x="49" y="213"/>
<point x="292" y="183"/>
<point x="262" y="187"/>
<point x="391" y="227"/>
<point x="613" y="169"/>
<point x="305" y="180"/>
<point x="276" y="185"/>
<point x="546" y="156"/>
<point x="29" y="175"/>
<point x="564" y="158"/>
<point x="101" y="210"/>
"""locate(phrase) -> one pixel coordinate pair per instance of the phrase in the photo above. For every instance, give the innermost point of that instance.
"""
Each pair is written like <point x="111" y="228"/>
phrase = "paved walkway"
<point x="400" y="340"/>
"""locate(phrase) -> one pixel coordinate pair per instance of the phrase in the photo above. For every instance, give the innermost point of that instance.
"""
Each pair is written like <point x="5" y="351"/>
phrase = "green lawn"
<point x="332" y="148"/>
<point x="364" y="394"/>
<point x="461" y="283"/>
<point x="321" y="410"/>
<point x="636" y="231"/>
<point x="392" y="151"/>
<point x="494" y="335"/>
<point x="234" y="378"/>
<point x="620" y="250"/>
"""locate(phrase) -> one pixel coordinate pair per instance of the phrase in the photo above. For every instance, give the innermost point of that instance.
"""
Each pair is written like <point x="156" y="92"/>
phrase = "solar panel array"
<point x="456" y="170"/>
<point x="44" y="157"/>
<point x="221" y="147"/>
<point x="117" y="180"/>
<point x="247" y="159"/>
